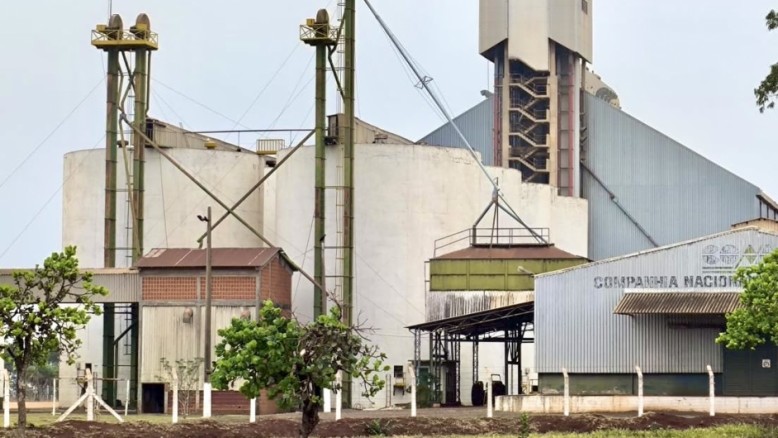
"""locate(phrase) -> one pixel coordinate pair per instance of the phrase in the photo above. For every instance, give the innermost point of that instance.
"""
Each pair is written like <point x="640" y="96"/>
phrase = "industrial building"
<point x="588" y="181"/>
<point x="659" y="309"/>
<point x="558" y="123"/>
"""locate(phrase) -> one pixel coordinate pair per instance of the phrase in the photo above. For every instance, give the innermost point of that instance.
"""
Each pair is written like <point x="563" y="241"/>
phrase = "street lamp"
<point x="207" y="358"/>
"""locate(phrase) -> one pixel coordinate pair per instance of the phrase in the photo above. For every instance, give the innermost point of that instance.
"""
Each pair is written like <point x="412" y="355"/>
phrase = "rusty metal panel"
<point x="442" y="305"/>
<point x="677" y="303"/>
<point x="574" y="322"/>
<point x="195" y="258"/>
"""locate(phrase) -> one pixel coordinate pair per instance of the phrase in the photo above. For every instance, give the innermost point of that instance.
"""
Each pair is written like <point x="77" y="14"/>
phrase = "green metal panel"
<point x="486" y="282"/>
<point x="586" y="384"/>
<point x="688" y="385"/>
<point x="488" y="274"/>
<point x="520" y="282"/>
<point x="487" y="266"/>
<point x="747" y="372"/>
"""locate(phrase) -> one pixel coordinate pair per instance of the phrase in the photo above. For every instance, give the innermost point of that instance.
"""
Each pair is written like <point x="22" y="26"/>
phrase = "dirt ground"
<point x="429" y="422"/>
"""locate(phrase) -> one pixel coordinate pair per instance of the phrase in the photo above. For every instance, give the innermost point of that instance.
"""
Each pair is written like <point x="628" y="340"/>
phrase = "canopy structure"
<point x="677" y="303"/>
<point x="508" y="325"/>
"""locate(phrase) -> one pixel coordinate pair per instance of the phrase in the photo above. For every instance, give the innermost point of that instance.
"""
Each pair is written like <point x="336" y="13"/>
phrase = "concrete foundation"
<point x="544" y="404"/>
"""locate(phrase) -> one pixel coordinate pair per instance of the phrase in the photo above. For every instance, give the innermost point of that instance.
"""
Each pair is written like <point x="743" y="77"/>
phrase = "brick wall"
<point x="277" y="283"/>
<point x="185" y="288"/>
<point x="226" y="402"/>
<point x="170" y="288"/>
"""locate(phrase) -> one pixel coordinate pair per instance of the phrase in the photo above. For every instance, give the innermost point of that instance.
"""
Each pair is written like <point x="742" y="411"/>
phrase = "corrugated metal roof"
<point x="532" y="252"/>
<point x="195" y="258"/>
<point x="677" y="303"/>
<point x="661" y="248"/>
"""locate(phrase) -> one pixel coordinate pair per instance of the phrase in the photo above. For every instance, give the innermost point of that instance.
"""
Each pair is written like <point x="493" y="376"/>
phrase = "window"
<point x="398" y="371"/>
<point x="585" y="6"/>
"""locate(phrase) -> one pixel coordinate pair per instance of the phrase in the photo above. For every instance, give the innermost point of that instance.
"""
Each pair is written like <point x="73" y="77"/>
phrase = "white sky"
<point x="686" y="68"/>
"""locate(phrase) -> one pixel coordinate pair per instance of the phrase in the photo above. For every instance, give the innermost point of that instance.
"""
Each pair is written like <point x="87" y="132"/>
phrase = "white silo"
<point x="406" y="197"/>
<point x="172" y="200"/>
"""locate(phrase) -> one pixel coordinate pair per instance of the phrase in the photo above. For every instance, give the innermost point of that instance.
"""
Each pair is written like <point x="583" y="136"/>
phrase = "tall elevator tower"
<point x="539" y="49"/>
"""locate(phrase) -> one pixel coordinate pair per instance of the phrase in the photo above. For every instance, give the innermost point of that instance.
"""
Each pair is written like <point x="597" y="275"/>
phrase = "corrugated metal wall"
<point x="164" y="334"/>
<point x="123" y="284"/>
<point x="442" y="305"/>
<point x="476" y="124"/>
<point x="575" y="326"/>
<point x="674" y="193"/>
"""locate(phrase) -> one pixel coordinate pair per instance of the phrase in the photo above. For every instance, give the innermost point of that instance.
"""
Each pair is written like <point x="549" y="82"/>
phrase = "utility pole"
<point x="207" y="329"/>
<point x="317" y="33"/>
<point x="348" y="173"/>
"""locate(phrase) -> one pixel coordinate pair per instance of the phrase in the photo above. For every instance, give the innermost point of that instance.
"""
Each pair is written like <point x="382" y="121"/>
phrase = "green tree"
<point x="33" y="322"/>
<point x="756" y="321"/>
<point x="291" y="360"/>
<point x="768" y="89"/>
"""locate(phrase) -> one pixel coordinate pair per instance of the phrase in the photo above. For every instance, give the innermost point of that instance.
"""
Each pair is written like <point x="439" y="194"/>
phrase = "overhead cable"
<point x="424" y="82"/>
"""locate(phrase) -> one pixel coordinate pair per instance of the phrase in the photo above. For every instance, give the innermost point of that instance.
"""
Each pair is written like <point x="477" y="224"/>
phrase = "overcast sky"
<point x="687" y="68"/>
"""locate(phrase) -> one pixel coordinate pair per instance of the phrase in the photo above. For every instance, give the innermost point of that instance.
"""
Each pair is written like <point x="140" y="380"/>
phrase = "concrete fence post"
<point x="327" y="396"/>
<point x="53" y="397"/>
<point x="567" y="392"/>
<point x="339" y="395"/>
<point x="489" y="389"/>
<point x="412" y="370"/>
<point x="127" y="397"/>
<point x="175" y="396"/>
<point x="253" y="410"/>
<point x="207" y="400"/>
<point x="90" y="397"/>
<point x="712" y="385"/>
<point x="6" y="399"/>
<point x="640" y="391"/>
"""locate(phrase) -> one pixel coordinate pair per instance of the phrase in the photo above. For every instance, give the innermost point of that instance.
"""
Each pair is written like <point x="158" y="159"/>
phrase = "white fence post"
<point x="6" y="399"/>
<point x="413" y="390"/>
<point x="567" y="392"/>
<point x="327" y="396"/>
<point x="207" y="400"/>
<point x="253" y="410"/>
<point x="90" y="396"/>
<point x="489" y="389"/>
<point x="712" y="384"/>
<point x="640" y="391"/>
<point x="53" y="397"/>
<point x="175" y="396"/>
<point x="339" y="395"/>
<point x="127" y="397"/>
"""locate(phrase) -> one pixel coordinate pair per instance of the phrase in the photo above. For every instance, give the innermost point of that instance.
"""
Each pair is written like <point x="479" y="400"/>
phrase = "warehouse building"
<point x="659" y="309"/>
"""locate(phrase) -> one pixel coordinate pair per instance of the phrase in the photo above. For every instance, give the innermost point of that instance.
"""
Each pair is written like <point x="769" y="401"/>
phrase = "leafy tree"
<point x="756" y="321"/>
<point x="188" y="374"/>
<point x="768" y="89"/>
<point x="291" y="360"/>
<point x="33" y="323"/>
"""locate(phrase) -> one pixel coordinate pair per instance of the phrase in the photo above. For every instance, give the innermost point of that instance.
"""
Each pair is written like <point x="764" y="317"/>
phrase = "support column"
<point x="139" y="164"/>
<point x="319" y="295"/>
<point x="348" y="172"/>
<point x="134" y="351"/>
<point x="111" y="154"/>
<point x="109" y="366"/>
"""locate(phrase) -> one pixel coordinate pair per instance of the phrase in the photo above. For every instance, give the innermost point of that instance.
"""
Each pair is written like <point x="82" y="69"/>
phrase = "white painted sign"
<point x="765" y="363"/>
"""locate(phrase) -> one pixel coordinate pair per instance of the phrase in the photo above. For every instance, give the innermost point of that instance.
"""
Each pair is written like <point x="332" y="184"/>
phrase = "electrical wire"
<point x="48" y="201"/>
<point x="497" y="191"/>
<point x="264" y="88"/>
<point x="198" y="103"/>
<point x="51" y="133"/>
